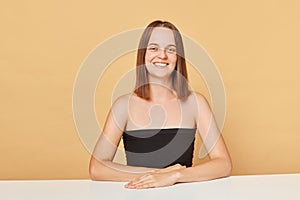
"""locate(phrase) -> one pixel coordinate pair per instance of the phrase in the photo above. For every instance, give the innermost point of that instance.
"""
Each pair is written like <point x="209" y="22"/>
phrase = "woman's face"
<point x="160" y="57"/>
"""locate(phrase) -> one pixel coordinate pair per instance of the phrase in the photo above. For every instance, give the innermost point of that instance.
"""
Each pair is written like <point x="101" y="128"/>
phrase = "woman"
<point x="158" y="121"/>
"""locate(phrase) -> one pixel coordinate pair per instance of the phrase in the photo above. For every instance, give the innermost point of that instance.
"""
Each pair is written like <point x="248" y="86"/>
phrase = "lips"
<point x="160" y="64"/>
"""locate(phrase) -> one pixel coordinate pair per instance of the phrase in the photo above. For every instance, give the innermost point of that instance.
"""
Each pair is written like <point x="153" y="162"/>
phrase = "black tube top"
<point x="159" y="148"/>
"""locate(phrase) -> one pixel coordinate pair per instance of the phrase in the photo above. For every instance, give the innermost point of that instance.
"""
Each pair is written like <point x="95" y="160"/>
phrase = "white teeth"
<point x="161" y="64"/>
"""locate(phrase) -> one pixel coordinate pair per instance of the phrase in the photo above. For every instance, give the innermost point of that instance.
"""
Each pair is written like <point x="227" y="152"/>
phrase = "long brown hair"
<point x="179" y="75"/>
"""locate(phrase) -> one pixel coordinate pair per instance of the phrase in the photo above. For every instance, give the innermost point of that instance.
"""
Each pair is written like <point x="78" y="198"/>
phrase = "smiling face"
<point x="160" y="57"/>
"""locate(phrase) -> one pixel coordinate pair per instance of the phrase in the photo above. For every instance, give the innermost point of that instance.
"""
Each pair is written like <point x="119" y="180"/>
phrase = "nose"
<point x="162" y="53"/>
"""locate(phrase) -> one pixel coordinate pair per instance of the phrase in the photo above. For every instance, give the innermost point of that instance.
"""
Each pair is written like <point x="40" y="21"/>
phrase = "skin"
<point x="164" y="110"/>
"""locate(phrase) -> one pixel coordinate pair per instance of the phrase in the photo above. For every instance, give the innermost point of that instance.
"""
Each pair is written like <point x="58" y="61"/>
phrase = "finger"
<point x="140" y="185"/>
<point x="138" y="180"/>
<point x="148" y="182"/>
<point x="178" y="166"/>
<point x="145" y="184"/>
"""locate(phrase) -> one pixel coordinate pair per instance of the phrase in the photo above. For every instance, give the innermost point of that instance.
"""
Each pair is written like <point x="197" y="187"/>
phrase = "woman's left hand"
<point x="154" y="179"/>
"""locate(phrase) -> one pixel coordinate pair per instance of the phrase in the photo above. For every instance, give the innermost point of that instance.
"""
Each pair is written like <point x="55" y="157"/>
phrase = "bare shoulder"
<point x="196" y="104"/>
<point x="121" y="101"/>
<point x="126" y="98"/>
<point x="120" y="105"/>
<point x="196" y="97"/>
<point x="119" y="111"/>
<point x="128" y="102"/>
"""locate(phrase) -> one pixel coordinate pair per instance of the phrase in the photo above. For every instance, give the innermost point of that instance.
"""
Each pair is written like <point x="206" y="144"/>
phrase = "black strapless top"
<point x="159" y="148"/>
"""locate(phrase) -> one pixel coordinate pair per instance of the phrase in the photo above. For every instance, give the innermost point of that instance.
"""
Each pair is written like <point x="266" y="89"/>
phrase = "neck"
<point x="165" y="82"/>
<point x="160" y="93"/>
<point x="161" y="89"/>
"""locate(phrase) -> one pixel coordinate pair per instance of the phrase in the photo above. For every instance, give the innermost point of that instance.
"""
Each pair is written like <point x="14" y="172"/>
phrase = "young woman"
<point x="158" y="121"/>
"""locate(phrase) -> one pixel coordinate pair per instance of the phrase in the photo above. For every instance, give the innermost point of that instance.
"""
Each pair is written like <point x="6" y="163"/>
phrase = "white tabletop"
<point x="235" y="187"/>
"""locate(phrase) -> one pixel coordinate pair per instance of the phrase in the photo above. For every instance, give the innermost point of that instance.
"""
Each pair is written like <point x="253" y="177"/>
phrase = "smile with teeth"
<point x="160" y="64"/>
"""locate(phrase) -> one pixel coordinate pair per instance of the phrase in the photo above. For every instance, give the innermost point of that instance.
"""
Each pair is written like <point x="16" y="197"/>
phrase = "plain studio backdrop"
<point x="255" y="45"/>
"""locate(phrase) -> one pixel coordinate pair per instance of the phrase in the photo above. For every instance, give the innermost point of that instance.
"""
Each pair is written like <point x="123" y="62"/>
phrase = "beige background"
<point x="255" y="45"/>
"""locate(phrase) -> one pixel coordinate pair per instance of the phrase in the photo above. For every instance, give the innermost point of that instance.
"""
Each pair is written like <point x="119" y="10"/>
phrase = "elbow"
<point x="227" y="168"/>
<point x="95" y="171"/>
<point x="92" y="174"/>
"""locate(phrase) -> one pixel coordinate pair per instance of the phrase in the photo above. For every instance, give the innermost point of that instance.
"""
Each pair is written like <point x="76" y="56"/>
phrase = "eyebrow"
<point x="158" y="45"/>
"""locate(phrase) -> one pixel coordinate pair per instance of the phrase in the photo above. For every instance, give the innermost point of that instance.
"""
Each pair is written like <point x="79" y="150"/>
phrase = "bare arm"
<point x="103" y="168"/>
<point x="101" y="165"/>
<point x="219" y="164"/>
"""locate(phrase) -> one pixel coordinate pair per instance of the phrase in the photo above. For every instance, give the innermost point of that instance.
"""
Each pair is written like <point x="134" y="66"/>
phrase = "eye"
<point x="171" y="50"/>
<point x="153" y="48"/>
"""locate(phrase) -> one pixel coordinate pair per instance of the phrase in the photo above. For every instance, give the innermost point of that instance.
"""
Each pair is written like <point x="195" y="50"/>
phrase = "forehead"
<point x="162" y="36"/>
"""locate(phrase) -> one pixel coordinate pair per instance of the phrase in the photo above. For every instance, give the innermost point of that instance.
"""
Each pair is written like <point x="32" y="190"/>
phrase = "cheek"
<point x="173" y="59"/>
<point x="149" y="57"/>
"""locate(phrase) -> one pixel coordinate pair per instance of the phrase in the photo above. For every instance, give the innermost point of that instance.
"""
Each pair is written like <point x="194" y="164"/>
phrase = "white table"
<point x="269" y="187"/>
